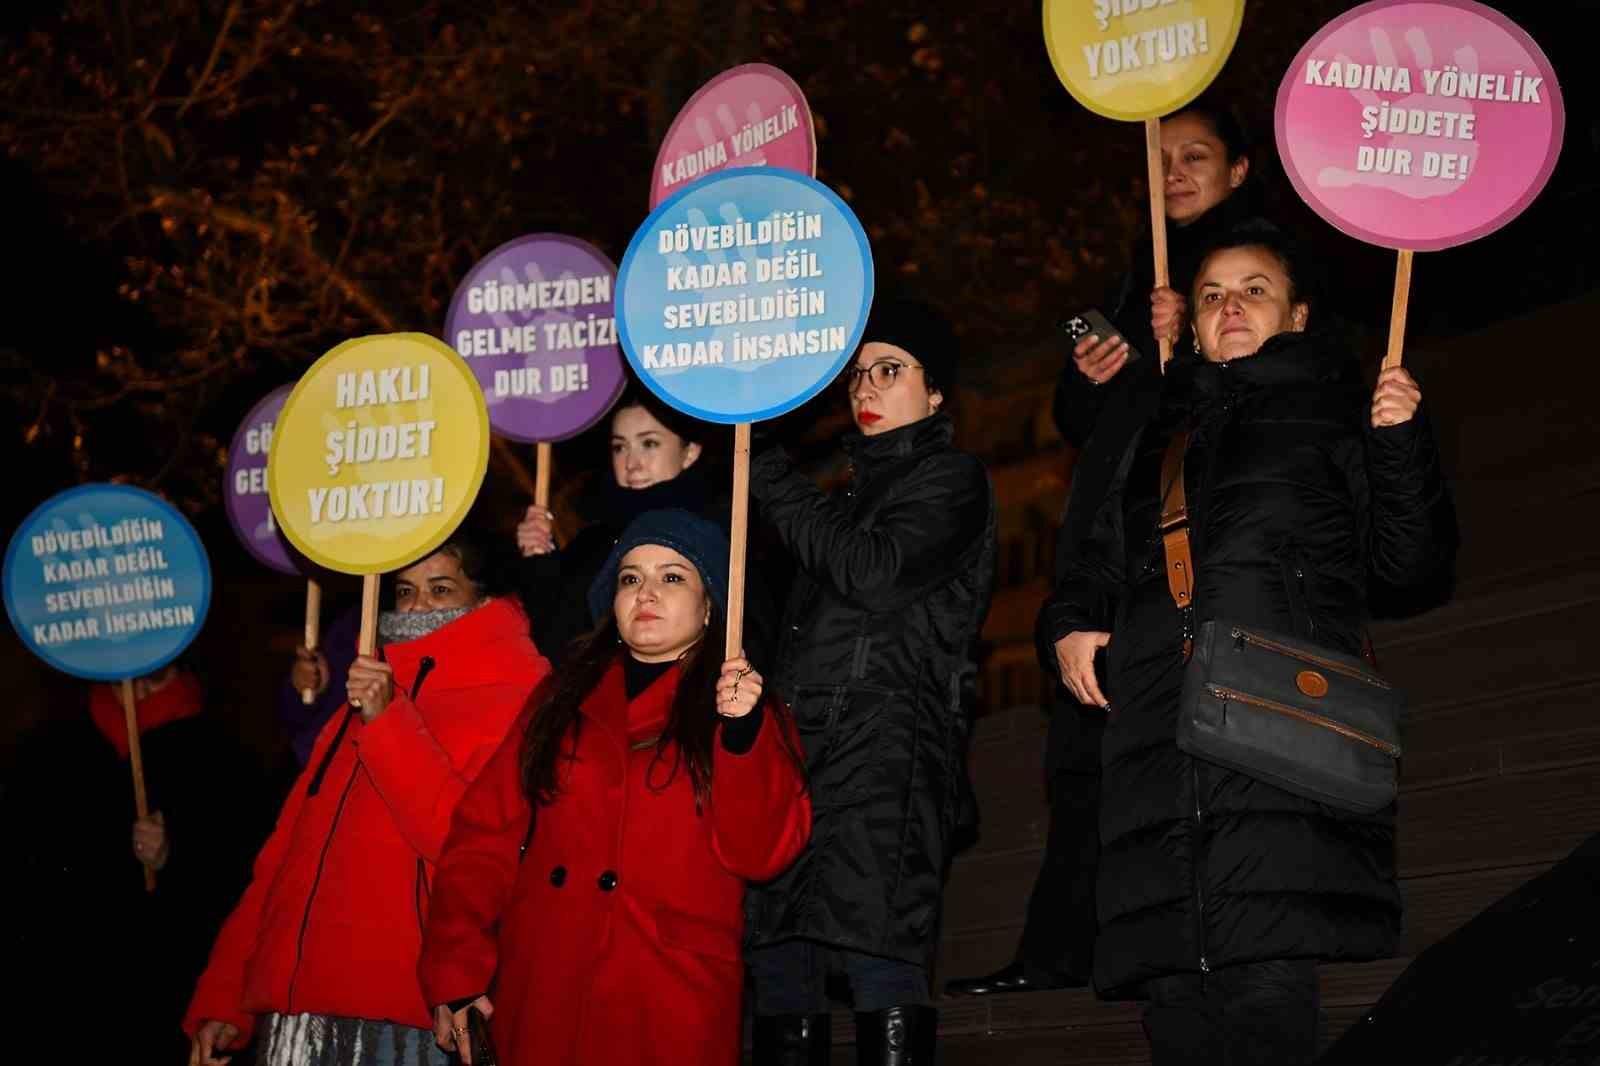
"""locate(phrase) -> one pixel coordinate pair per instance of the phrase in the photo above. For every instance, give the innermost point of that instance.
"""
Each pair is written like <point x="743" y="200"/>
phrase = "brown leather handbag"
<point x="1309" y="719"/>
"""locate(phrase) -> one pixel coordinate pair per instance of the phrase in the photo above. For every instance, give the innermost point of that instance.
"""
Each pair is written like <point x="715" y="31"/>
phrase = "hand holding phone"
<point x="1099" y="349"/>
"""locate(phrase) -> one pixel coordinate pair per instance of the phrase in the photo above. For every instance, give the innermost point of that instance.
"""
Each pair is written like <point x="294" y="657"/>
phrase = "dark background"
<point x="395" y="143"/>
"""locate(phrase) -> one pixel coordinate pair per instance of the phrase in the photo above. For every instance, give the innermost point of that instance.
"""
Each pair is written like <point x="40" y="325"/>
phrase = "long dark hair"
<point x="552" y="732"/>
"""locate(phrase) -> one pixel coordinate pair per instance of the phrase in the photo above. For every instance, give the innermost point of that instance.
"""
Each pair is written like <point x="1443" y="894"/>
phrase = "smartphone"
<point x="1092" y="321"/>
<point x="478" y="1032"/>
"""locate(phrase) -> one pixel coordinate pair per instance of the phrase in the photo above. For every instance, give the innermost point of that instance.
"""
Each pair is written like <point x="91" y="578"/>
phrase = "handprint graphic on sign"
<point x="1412" y="164"/>
<point x="752" y="115"/>
<point x="1419" y="124"/>
<point x="535" y="321"/>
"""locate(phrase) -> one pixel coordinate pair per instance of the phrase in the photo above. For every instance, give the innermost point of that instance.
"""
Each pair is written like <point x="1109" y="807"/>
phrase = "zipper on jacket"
<point x="1228" y="695"/>
<point x="419" y="895"/>
<point x="1305" y="601"/>
<point x="1244" y="636"/>
<point x="424" y="668"/>
<point x="311" y="897"/>
<point x="327" y="756"/>
<point x="1199" y="866"/>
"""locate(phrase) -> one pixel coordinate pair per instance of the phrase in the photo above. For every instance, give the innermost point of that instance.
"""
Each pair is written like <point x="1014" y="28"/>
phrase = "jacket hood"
<point x="935" y="431"/>
<point x="1286" y="360"/>
<point x="178" y="699"/>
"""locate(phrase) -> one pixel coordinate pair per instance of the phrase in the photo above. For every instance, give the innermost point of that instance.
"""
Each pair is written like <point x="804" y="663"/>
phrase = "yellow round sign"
<point x="1139" y="59"/>
<point x="378" y="453"/>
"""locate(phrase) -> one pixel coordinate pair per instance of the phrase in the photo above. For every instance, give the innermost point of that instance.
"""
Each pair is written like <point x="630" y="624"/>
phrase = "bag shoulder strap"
<point x="1174" y="528"/>
<point x="1174" y="525"/>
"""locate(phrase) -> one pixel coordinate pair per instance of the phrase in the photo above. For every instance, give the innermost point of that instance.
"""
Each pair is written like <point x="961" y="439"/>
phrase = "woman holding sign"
<point x="1218" y="891"/>
<point x="895" y="576"/>
<point x="1209" y="189"/>
<point x="647" y="783"/>
<point x="1099" y="406"/>
<point x="320" y="954"/>
<point x="656" y="464"/>
<point x="655" y="454"/>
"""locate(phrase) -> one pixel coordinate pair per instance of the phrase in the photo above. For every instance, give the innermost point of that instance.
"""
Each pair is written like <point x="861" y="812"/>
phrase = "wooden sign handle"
<point x="1397" y="310"/>
<point x="1157" y="178"/>
<point x="738" y="535"/>
<point x="136" y="760"/>
<point x="368" y="644"/>
<point x="541" y="474"/>
<point x="313" y="629"/>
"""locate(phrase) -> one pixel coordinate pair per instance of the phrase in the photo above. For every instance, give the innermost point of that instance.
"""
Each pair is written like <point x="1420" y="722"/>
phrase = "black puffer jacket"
<point x="1295" y="505"/>
<point x="894" y="581"/>
<point x="1101" y="420"/>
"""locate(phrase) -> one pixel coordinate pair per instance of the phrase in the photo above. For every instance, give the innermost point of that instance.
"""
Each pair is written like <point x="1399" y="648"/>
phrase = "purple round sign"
<point x="535" y="322"/>
<point x="245" y="490"/>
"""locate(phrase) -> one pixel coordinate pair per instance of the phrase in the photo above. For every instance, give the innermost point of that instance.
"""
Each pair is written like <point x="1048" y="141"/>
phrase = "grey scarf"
<point x="395" y="627"/>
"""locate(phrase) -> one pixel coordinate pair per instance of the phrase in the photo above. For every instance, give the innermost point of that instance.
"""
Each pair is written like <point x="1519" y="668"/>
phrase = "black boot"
<point x="792" y="1040"/>
<point x="899" y="1036"/>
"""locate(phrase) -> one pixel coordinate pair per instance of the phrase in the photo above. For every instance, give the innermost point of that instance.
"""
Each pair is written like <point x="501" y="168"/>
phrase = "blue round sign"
<point x="745" y="294"/>
<point x="106" y="582"/>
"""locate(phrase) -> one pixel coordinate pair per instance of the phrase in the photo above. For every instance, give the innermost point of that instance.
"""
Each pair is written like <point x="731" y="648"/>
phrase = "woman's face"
<point x="1199" y="175"/>
<point x="899" y="398"/>
<point x="643" y="451"/>
<point x="437" y="583"/>
<point x="1242" y="297"/>
<point x="660" y="603"/>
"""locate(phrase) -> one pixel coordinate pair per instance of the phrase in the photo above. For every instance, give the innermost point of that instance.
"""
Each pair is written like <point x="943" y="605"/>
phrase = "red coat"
<point x="332" y="920"/>
<point x="617" y="937"/>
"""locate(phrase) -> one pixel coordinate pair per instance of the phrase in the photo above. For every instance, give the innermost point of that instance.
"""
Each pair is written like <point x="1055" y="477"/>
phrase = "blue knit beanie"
<point x="700" y="541"/>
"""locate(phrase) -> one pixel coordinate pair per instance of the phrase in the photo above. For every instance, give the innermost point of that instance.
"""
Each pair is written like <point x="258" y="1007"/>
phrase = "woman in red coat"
<point x="660" y="783"/>
<point x="320" y="955"/>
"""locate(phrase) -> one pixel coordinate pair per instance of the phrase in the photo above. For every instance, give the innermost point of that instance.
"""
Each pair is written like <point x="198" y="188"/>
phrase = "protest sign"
<point x="108" y="583"/>
<point x="244" y="489"/>
<point x="1136" y="60"/>
<point x="750" y="116"/>
<point x="534" y="321"/>
<point x="744" y="295"/>
<point x="739" y="299"/>
<point x="1419" y="125"/>
<point x="377" y="456"/>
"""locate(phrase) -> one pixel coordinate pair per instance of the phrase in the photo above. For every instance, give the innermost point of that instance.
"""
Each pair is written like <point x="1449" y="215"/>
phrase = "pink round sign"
<point x="1420" y="124"/>
<point x="750" y="116"/>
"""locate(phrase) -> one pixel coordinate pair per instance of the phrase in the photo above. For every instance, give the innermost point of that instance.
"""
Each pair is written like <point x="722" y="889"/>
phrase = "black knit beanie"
<point x="923" y="332"/>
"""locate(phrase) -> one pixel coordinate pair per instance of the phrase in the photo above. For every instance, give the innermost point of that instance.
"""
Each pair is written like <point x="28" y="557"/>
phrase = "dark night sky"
<point x="63" y="302"/>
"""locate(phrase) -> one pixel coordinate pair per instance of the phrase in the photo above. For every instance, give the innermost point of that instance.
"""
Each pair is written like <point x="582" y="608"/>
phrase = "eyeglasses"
<point x="882" y="374"/>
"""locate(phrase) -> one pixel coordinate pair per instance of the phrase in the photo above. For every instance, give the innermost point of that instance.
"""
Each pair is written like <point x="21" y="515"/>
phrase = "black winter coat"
<point x="1295" y="505"/>
<point x="555" y="587"/>
<point x="877" y="661"/>
<point x="1100" y="420"/>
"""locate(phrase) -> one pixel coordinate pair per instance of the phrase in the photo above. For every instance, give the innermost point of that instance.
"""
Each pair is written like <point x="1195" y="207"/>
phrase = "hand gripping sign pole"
<point x="746" y="317"/>
<point x="108" y="583"/>
<point x="534" y="320"/>
<point x="377" y="456"/>
<point x="1417" y="126"/>
<point x="141" y="804"/>
<point x="1136" y="60"/>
